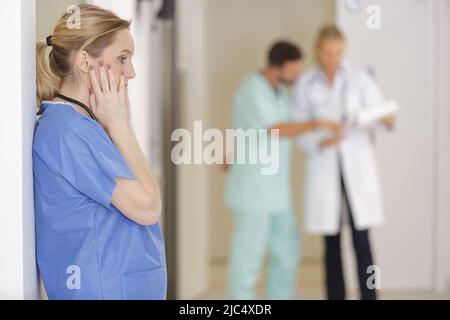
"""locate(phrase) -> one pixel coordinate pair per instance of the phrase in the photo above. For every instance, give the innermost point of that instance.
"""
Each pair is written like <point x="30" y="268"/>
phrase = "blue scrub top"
<point x="85" y="247"/>
<point x="258" y="106"/>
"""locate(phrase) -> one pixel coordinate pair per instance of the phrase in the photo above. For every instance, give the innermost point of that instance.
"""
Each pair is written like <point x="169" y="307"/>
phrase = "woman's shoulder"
<point x="62" y="121"/>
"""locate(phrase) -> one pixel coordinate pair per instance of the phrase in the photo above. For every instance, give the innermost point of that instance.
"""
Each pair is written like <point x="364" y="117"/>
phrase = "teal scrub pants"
<point x="253" y="234"/>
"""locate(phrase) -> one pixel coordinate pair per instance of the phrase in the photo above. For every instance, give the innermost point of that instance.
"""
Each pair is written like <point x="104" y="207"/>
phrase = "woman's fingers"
<point x="127" y="98"/>
<point x="103" y="79"/>
<point x="112" y="79"/>
<point x="122" y="89"/>
<point x="122" y="83"/>
<point x="94" y="80"/>
<point x="92" y="102"/>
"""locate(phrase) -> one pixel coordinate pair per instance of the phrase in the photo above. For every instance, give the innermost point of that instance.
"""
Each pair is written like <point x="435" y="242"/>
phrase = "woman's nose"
<point x="130" y="73"/>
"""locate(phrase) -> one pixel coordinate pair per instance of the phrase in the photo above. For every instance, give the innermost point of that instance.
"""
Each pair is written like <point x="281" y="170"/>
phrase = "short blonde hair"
<point x="329" y="32"/>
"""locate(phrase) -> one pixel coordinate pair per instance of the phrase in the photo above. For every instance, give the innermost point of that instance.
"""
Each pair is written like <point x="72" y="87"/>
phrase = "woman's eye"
<point x="122" y="60"/>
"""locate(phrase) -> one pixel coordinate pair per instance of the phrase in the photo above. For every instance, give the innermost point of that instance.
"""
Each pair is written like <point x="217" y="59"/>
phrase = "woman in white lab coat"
<point x="340" y="169"/>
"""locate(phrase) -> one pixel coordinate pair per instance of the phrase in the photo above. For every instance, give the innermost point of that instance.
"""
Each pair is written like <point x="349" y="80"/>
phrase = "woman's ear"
<point x="83" y="61"/>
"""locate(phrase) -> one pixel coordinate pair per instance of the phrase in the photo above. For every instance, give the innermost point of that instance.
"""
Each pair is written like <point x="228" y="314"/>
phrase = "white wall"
<point x="442" y="223"/>
<point x="404" y="55"/>
<point x="192" y="187"/>
<point x="18" y="278"/>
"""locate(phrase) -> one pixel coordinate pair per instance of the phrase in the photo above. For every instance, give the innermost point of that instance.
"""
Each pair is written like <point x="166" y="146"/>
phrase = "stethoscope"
<point x="81" y="104"/>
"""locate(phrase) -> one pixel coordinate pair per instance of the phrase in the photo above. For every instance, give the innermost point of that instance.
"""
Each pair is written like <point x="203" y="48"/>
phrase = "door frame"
<point x="18" y="275"/>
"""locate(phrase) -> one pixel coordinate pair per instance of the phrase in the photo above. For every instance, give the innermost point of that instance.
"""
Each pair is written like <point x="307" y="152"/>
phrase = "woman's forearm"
<point x="127" y="143"/>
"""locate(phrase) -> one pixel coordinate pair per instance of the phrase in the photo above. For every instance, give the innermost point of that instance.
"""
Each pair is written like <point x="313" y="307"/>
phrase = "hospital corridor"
<point x="148" y="189"/>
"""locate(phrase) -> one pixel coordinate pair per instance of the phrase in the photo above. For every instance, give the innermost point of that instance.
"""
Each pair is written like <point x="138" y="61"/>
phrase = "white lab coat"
<point x="354" y="91"/>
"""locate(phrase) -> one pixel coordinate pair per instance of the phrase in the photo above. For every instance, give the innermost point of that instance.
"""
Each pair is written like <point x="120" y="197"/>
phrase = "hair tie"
<point x="48" y="40"/>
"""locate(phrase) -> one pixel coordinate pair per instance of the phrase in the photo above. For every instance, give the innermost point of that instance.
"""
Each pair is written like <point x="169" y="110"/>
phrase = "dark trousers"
<point x="333" y="263"/>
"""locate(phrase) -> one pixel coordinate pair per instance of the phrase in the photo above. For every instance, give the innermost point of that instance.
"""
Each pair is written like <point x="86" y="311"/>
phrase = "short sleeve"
<point x="261" y="111"/>
<point x="90" y="162"/>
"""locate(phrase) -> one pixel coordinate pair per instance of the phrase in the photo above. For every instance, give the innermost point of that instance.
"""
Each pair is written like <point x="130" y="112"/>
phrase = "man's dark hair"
<point x="282" y="52"/>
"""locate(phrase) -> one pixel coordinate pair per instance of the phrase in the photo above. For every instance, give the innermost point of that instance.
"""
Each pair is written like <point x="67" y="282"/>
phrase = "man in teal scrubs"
<point x="263" y="211"/>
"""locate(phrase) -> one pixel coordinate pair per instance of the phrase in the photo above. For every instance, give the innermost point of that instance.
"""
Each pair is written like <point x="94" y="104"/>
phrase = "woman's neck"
<point x="76" y="92"/>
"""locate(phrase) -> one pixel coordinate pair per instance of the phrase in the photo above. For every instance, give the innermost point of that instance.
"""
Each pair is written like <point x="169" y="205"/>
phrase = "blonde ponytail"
<point x="97" y="30"/>
<point x="47" y="83"/>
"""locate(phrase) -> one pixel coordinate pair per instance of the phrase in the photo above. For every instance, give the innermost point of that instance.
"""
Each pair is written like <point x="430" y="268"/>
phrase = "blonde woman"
<point x="341" y="170"/>
<point x="97" y="202"/>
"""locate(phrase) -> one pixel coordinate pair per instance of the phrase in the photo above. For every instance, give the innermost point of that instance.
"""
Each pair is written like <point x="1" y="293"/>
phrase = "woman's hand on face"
<point x="109" y="99"/>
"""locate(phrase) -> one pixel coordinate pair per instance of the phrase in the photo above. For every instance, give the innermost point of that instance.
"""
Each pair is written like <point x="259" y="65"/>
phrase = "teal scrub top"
<point x="258" y="105"/>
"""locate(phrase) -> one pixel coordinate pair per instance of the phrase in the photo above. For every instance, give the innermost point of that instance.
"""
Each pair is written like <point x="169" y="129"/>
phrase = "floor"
<point x="309" y="285"/>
